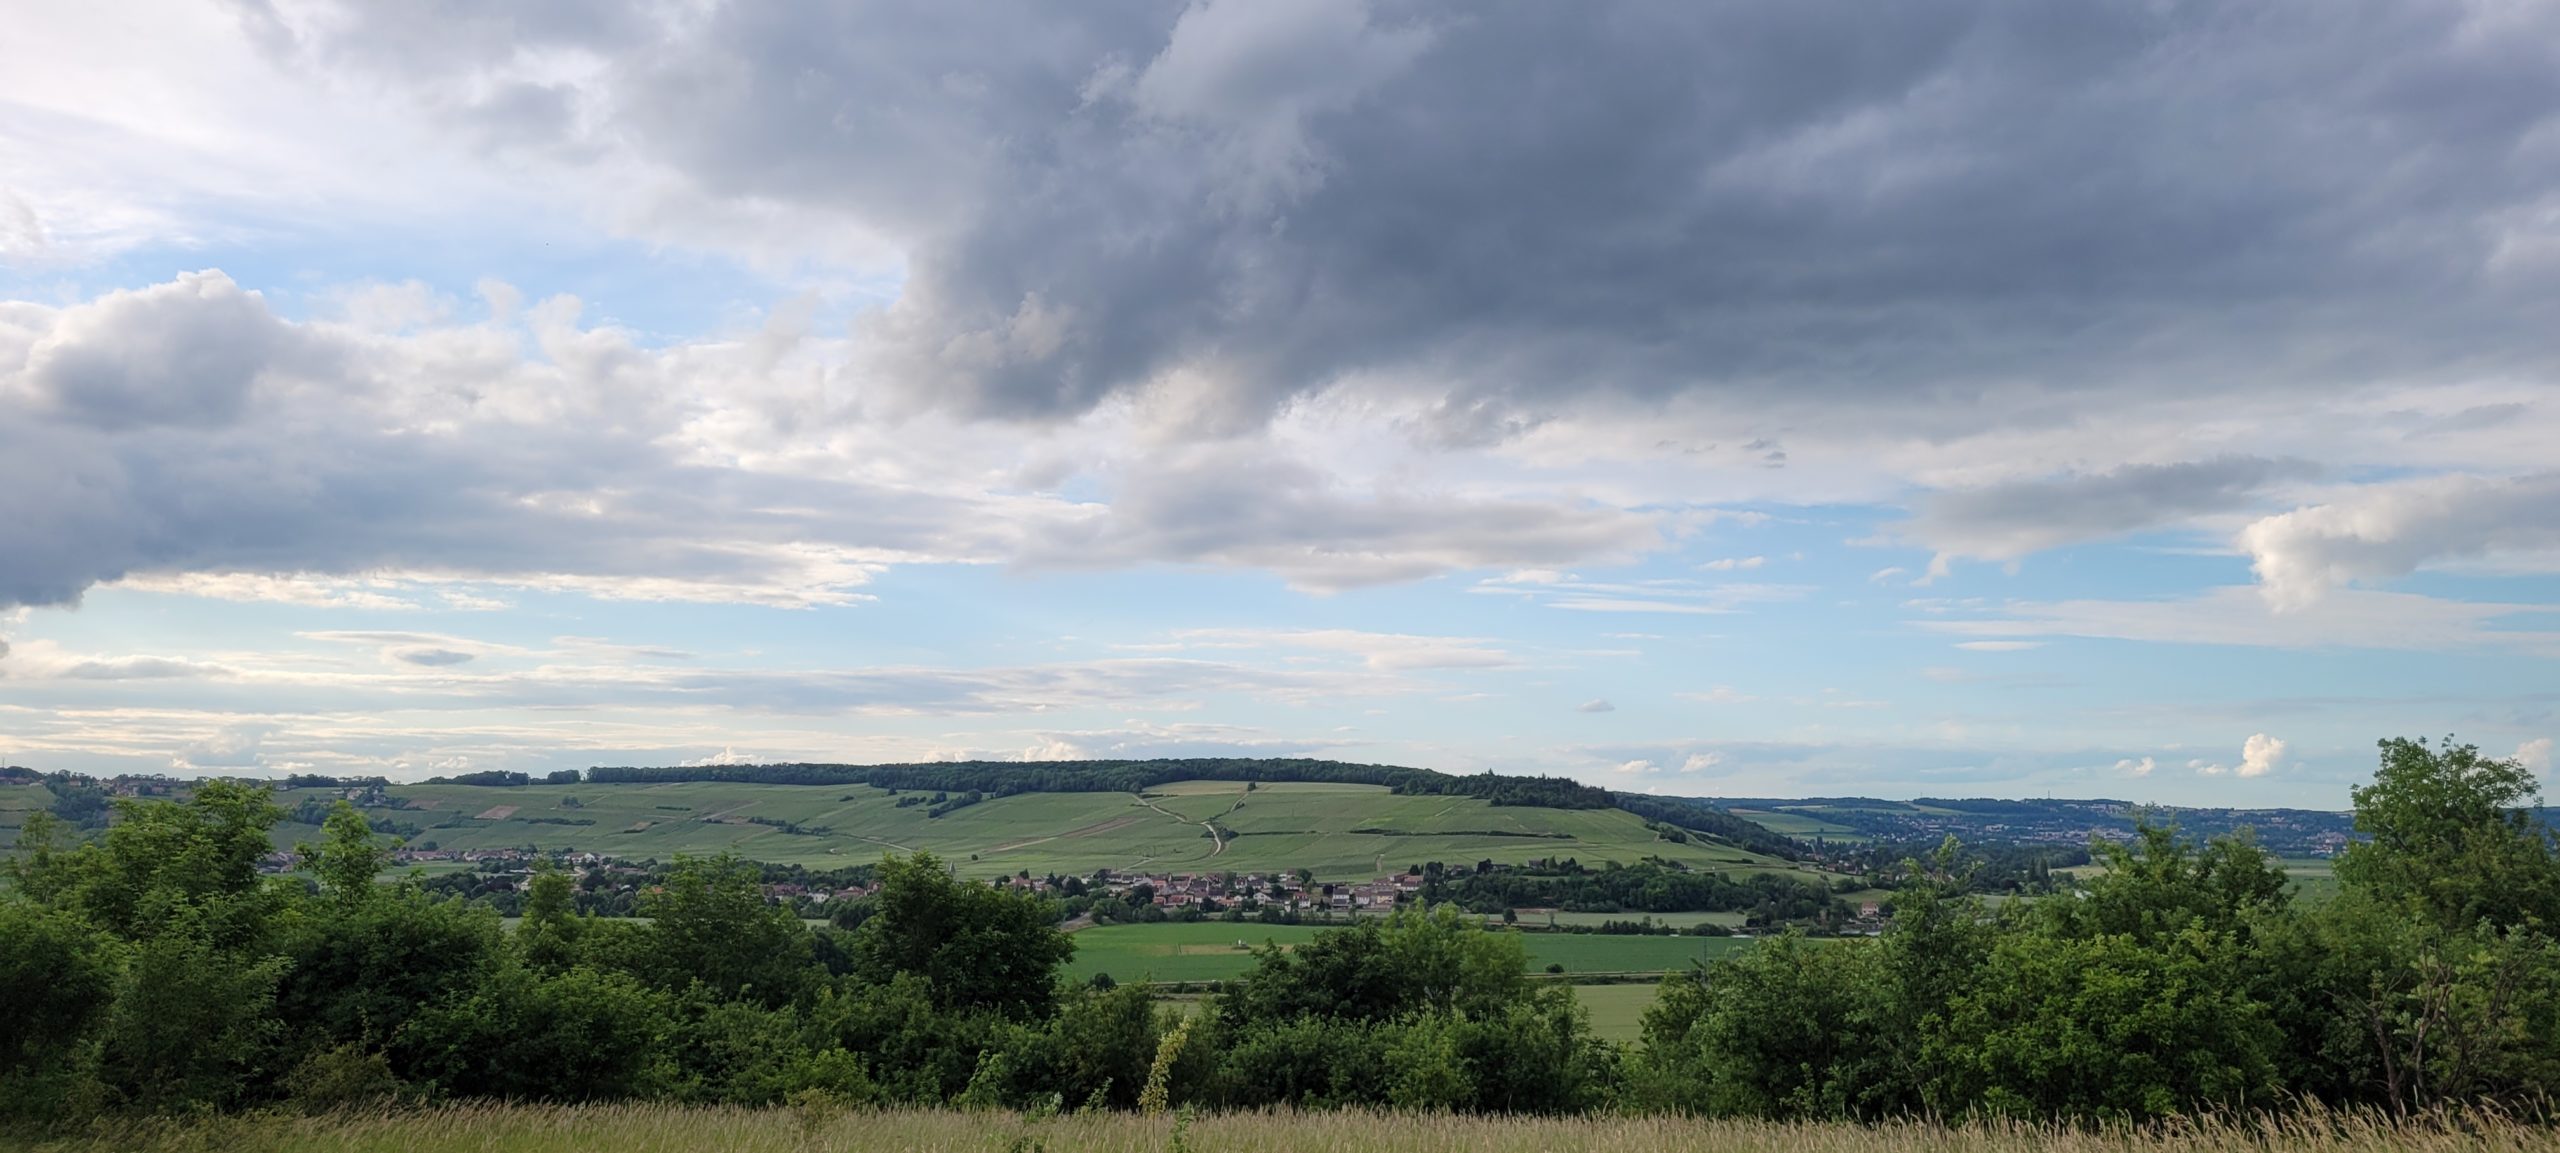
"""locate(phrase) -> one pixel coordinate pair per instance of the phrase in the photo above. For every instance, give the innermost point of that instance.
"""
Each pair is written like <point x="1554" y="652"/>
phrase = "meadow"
<point x="808" y="1128"/>
<point x="1217" y="951"/>
<point x="1339" y="832"/>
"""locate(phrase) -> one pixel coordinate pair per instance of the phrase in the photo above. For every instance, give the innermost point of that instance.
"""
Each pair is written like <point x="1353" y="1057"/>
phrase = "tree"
<point x="712" y="924"/>
<point x="346" y="860"/>
<point x="975" y="946"/>
<point x="2453" y="838"/>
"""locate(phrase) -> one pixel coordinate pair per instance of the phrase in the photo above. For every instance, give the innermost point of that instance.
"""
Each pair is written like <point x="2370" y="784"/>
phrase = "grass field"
<point x="1211" y="950"/>
<point x="679" y="1129"/>
<point x="1676" y="920"/>
<point x="1617" y="1011"/>
<point x="1341" y="832"/>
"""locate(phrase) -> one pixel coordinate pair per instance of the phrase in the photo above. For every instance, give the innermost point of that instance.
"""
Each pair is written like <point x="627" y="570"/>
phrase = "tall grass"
<point x="675" y="1129"/>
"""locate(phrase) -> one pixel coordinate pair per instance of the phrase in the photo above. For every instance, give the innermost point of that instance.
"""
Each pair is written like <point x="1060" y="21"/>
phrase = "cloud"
<point x="1595" y="705"/>
<point x="1734" y="564"/>
<point x="138" y="669"/>
<point x="1776" y="203"/>
<point x="1719" y="695"/>
<point x="2237" y="615"/>
<point x="1386" y="652"/>
<point x="183" y="439"/>
<point x="231" y="747"/>
<point x="2535" y="754"/>
<point x="2379" y="532"/>
<point x="1998" y="646"/>
<point x="432" y="657"/>
<point x="2015" y="518"/>
<point x="2259" y="755"/>
<point x="2136" y="768"/>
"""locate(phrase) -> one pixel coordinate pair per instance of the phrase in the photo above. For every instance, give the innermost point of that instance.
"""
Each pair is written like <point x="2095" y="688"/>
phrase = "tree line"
<point x="152" y="968"/>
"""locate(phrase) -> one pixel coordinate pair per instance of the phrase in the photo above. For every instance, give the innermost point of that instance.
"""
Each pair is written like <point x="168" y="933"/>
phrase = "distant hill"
<point x="2287" y="832"/>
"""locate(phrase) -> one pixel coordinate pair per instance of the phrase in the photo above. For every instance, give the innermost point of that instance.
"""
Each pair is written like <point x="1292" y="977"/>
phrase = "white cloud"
<point x="1998" y="646"/>
<point x="1386" y="652"/>
<point x="1734" y="564"/>
<point x="2535" y="754"/>
<point x="2136" y="768"/>
<point x="2378" y="532"/>
<point x="1595" y="705"/>
<point x="1719" y="695"/>
<point x="2260" y="755"/>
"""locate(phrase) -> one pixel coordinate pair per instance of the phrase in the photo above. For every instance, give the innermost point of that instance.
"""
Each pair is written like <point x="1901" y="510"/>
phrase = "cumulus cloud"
<point x="2136" y="768"/>
<point x="1595" y="705"/>
<point x="2383" y="531"/>
<point x="2259" y="755"/>
<point x="182" y="438"/>
<point x="2535" y="754"/>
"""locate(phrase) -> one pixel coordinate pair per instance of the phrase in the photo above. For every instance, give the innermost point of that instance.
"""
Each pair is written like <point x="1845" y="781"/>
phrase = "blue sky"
<point x="641" y="384"/>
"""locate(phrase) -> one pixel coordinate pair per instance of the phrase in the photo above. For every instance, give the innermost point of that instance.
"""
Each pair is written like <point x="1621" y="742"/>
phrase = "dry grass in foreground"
<point x="675" y="1129"/>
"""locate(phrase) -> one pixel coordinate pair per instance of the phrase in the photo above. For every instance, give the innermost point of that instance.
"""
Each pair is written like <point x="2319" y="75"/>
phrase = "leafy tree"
<point x="58" y="979"/>
<point x="712" y="924"/>
<point x="975" y="946"/>
<point x="2453" y="838"/>
<point x="346" y="860"/>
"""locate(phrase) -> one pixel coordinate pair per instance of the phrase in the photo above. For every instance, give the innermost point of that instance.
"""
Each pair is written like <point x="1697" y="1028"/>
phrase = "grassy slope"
<point x="16" y="801"/>
<point x="1279" y="826"/>
<point x="679" y="1129"/>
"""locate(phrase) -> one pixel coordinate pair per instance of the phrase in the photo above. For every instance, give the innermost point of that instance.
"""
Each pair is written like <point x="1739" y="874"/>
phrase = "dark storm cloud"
<point x="1527" y="202"/>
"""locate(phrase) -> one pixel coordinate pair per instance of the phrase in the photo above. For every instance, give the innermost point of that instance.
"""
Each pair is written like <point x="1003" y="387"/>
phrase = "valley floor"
<point x="673" y="1129"/>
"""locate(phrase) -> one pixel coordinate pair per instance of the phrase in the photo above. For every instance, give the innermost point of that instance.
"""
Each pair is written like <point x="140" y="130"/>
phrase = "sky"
<point x="2137" y="398"/>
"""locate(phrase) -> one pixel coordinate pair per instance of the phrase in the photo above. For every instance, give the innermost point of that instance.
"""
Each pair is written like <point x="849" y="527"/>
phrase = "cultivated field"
<point x="676" y="1129"/>
<point x="16" y="801"/>
<point x="1216" y="951"/>
<point x="1340" y="832"/>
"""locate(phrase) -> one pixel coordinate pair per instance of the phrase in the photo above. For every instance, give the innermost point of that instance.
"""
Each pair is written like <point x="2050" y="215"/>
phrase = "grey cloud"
<point x="1245" y="509"/>
<point x="1789" y="202"/>
<point x="1595" y="706"/>
<point x="183" y="353"/>
<point x="138" y="669"/>
<point x="433" y="657"/>
<point x="2013" y="519"/>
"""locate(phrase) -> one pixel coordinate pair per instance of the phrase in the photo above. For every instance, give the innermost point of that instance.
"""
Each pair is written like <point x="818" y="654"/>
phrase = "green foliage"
<point x="2454" y="838"/>
<point x="711" y="924"/>
<point x="975" y="946"/>
<point x="154" y="969"/>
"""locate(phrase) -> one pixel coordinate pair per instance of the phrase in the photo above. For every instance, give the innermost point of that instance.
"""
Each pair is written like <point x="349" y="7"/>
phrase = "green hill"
<point x="1337" y="830"/>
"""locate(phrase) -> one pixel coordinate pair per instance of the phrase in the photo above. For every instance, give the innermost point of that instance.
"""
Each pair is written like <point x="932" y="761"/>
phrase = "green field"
<point x="1795" y="822"/>
<point x="16" y="801"/>
<point x="1215" y="951"/>
<point x="1341" y="832"/>
<point x="1675" y="920"/>
<point x="1617" y="1011"/>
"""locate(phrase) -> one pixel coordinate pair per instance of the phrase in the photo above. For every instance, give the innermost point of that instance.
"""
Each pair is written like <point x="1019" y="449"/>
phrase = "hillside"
<point x="1336" y="830"/>
<point x="2288" y="832"/>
